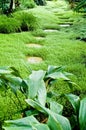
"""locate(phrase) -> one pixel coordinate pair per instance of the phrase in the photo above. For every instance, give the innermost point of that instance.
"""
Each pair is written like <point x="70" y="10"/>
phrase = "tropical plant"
<point x="34" y="84"/>
<point x="78" y="118"/>
<point x="40" y="109"/>
<point x="51" y="117"/>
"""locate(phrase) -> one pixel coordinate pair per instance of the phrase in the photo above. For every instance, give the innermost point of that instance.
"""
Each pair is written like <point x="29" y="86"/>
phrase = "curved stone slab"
<point x="34" y="60"/>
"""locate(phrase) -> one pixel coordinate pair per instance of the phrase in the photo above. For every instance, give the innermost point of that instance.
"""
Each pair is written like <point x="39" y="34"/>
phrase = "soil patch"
<point x="33" y="45"/>
<point x="34" y="60"/>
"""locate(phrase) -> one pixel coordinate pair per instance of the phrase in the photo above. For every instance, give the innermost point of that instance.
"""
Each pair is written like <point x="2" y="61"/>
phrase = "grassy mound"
<point x="20" y="21"/>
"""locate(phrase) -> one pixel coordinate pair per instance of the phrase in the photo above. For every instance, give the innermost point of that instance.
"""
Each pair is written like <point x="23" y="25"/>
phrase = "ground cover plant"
<point x="63" y="47"/>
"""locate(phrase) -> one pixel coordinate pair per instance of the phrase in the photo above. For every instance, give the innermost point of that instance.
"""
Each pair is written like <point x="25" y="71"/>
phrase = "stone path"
<point x="65" y="22"/>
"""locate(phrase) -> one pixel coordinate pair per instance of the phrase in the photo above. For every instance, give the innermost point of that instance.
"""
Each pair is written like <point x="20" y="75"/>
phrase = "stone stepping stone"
<point x="33" y="45"/>
<point x="34" y="60"/>
<point x="64" y="25"/>
<point x="40" y="38"/>
<point x="50" y="30"/>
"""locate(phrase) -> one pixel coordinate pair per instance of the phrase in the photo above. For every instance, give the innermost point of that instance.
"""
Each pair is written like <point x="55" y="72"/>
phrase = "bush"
<point x="34" y="90"/>
<point x="9" y="25"/>
<point x="19" y="22"/>
<point x="27" y="4"/>
<point x="28" y="21"/>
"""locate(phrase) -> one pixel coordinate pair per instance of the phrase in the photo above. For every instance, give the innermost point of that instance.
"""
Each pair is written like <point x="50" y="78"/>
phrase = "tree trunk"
<point x="11" y="6"/>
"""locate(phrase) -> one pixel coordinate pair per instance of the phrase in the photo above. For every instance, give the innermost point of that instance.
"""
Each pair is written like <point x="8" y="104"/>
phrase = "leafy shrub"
<point x="78" y="118"/>
<point x="39" y="103"/>
<point x="34" y="89"/>
<point x="28" y="20"/>
<point x="9" y="25"/>
<point x="27" y="3"/>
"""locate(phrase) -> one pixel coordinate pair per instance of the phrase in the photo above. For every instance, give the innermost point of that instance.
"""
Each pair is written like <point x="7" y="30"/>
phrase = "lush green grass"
<point x="58" y="48"/>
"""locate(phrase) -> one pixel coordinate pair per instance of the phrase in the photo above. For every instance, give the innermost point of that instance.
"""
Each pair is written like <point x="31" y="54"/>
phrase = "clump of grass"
<point x="28" y="20"/>
<point x="9" y="25"/>
<point x="20" y="21"/>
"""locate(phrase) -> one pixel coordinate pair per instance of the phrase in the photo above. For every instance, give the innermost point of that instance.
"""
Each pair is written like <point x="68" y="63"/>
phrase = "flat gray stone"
<point x="50" y="30"/>
<point x="34" y="60"/>
<point x="64" y="25"/>
<point x="33" y="45"/>
<point x="39" y="38"/>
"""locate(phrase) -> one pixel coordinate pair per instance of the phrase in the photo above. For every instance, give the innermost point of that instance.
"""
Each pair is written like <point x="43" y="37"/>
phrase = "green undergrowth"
<point x="18" y="22"/>
<point x="58" y="48"/>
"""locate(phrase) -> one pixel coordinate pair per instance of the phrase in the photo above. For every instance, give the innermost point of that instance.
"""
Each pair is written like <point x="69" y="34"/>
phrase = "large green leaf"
<point x="41" y="95"/>
<point x="82" y="114"/>
<point x="22" y="121"/>
<point x="58" y="122"/>
<point x="20" y="124"/>
<point x="52" y="69"/>
<point x="14" y="83"/>
<point x="41" y="127"/>
<point x="24" y="87"/>
<point x="55" y="121"/>
<point x="56" y="107"/>
<point x="5" y="70"/>
<point x="27" y="123"/>
<point x="56" y="72"/>
<point x="36" y="105"/>
<point x="74" y="100"/>
<point x="16" y="127"/>
<point x="35" y="82"/>
<point x="57" y="75"/>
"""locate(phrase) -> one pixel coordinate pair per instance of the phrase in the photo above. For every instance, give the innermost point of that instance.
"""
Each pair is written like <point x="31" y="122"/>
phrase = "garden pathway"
<point x="64" y="22"/>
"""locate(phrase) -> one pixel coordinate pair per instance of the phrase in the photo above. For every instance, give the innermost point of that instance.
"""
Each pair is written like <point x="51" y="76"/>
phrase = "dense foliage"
<point x="42" y="110"/>
<point x="18" y="22"/>
<point x="78" y="5"/>
<point x="8" y="6"/>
